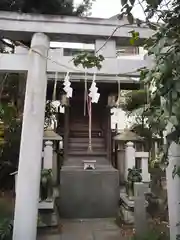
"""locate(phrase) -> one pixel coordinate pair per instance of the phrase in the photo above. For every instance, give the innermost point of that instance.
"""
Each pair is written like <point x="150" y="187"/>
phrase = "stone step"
<point x="79" y="160"/>
<point x="84" y="158"/>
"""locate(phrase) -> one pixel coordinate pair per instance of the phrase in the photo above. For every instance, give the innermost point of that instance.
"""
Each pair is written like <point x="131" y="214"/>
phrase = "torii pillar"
<point x="28" y="182"/>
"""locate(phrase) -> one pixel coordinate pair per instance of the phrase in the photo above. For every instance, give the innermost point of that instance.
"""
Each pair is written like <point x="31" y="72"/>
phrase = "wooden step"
<point x="87" y="153"/>
<point x="84" y="129"/>
<point x="85" y="149"/>
<point x="84" y="144"/>
<point x="86" y="140"/>
<point x="83" y="135"/>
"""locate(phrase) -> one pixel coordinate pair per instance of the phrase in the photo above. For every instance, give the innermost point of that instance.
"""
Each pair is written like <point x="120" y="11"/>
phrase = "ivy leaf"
<point x="177" y="85"/>
<point x="130" y="18"/>
<point x="174" y="95"/>
<point x="120" y="16"/>
<point x="132" y="41"/>
<point x="173" y="120"/>
<point x="132" y="2"/>
<point x="134" y="37"/>
<point x="134" y="34"/>
<point x="88" y="60"/>
<point x="178" y="237"/>
<point x="176" y="171"/>
<point x="128" y="9"/>
<point x="123" y="2"/>
<point x="138" y="22"/>
<point x="151" y="26"/>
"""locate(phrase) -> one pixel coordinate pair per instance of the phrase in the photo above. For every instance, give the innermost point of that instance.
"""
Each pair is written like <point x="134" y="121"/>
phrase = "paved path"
<point x="94" y="229"/>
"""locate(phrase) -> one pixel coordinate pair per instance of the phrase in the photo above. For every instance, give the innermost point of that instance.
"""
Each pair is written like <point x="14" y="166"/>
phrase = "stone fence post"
<point x="129" y="157"/>
<point x="144" y="166"/>
<point x="140" y="216"/>
<point x="48" y="155"/>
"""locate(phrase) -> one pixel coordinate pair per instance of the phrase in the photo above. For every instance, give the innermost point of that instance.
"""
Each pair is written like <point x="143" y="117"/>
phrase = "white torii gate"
<point x="22" y="27"/>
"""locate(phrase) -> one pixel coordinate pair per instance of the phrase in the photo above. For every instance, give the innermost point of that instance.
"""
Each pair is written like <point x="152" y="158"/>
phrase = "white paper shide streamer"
<point x="67" y="86"/>
<point x="94" y="95"/>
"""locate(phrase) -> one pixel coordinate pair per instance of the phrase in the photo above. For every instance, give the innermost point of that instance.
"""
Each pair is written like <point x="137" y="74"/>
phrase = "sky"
<point x="102" y="9"/>
<point x="109" y="8"/>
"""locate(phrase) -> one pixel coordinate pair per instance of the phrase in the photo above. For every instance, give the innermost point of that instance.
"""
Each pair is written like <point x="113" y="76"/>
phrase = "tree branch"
<point x="7" y="44"/>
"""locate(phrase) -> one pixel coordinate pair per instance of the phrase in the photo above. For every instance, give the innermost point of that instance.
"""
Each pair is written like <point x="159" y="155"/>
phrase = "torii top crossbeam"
<point x="18" y="26"/>
<point x="21" y="27"/>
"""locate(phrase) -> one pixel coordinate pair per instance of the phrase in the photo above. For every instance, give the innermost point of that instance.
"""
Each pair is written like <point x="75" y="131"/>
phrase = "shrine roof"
<point x="50" y="135"/>
<point x="128" y="135"/>
<point x="18" y="26"/>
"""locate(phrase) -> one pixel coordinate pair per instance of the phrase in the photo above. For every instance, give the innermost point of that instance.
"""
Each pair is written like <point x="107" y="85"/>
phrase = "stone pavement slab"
<point x="72" y="236"/>
<point x="89" y="229"/>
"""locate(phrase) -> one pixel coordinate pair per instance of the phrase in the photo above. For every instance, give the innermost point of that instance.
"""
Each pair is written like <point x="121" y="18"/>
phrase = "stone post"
<point x="48" y="155"/>
<point x="129" y="157"/>
<point x="156" y="149"/>
<point x="173" y="191"/>
<point x="140" y="217"/>
<point x="121" y="164"/>
<point x="27" y="194"/>
<point x="55" y="168"/>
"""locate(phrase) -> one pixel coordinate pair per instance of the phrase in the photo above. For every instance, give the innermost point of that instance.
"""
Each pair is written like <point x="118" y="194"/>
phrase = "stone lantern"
<point x="120" y="143"/>
<point x="57" y="143"/>
<point x="49" y="135"/>
<point x="47" y="211"/>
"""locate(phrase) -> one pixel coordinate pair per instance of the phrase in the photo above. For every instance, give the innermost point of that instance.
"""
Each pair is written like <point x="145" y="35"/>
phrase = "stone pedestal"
<point x="89" y="193"/>
<point x="47" y="219"/>
<point x="48" y="216"/>
<point x="127" y="208"/>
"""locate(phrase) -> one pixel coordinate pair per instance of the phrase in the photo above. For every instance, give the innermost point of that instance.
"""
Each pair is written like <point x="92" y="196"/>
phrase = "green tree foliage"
<point x="135" y="105"/>
<point x="88" y="60"/>
<point x="55" y="7"/>
<point x="10" y="128"/>
<point x="163" y="79"/>
<point x="135" y="99"/>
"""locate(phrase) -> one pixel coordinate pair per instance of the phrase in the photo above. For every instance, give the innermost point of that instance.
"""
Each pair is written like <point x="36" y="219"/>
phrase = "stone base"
<point x="48" y="214"/>
<point x="89" y="193"/>
<point x="47" y="218"/>
<point x="46" y="205"/>
<point x="126" y="211"/>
